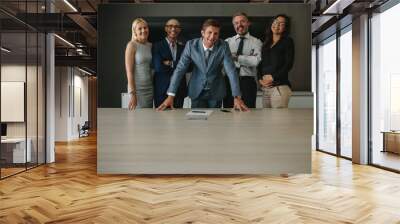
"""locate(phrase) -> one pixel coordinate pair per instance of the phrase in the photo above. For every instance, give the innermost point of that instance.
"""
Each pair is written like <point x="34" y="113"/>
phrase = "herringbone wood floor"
<point x="69" y="191"/>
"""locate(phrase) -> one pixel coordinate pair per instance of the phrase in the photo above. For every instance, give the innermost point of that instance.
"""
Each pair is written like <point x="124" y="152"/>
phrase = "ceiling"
<point x="77" y="23"/>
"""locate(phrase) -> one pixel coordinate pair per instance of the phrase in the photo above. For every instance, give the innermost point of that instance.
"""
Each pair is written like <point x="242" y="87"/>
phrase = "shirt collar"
<point x="246" y="36"/>
<point x="205" y="48"/>
<point x="169" y="42"/>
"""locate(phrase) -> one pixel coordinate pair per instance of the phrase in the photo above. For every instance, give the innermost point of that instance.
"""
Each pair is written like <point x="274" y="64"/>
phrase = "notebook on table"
<point x="198" y="114"/>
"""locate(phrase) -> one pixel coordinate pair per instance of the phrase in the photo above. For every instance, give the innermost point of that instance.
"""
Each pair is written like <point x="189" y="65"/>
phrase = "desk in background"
<point x="13" y="150"/>
<point x="391" y="141"/>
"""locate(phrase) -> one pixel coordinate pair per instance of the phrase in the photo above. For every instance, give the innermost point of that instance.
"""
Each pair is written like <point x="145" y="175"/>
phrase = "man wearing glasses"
<point x="166" y="54"/>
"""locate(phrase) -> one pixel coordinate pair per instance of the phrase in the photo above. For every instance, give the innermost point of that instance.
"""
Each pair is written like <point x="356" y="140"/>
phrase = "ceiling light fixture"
<point x="84" y="71"/>
<point x="337" y="7"/>
<point x="70" y="5"/>
<point x="5" y="50"/>
<point x="64" y="40"/>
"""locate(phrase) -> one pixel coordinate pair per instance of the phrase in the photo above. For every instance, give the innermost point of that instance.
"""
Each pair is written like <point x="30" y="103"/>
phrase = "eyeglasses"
<point x="173" y="26"/>
<point x="277" y="23"/>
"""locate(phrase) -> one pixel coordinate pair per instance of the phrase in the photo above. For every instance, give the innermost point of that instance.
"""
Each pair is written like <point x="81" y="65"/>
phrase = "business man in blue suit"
<point x="208" y="55"/>
<point x="165" y="56"/>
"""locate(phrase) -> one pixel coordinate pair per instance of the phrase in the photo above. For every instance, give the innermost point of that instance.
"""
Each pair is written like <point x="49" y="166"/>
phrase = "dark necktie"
<point x="240" y="47"/>
<point x="207" y="55"/>
<point x="240" y="51"/>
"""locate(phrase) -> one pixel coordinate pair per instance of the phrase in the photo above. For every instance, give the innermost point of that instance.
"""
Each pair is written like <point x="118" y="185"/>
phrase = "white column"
<point x="360" y="90"/>
<point x="50" y="92"/>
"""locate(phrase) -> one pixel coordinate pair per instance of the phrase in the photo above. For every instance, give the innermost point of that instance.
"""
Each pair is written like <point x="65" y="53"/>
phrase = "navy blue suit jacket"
<point x="163" y="73"/>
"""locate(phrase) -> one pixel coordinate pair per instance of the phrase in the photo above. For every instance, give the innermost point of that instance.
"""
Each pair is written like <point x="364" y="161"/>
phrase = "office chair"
<point x="84" y="130"/>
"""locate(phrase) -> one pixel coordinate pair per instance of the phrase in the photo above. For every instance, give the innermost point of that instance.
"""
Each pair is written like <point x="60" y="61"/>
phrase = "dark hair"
<point x="268" y="32"/>
<point x="240" y="14"/>
<point x="210" y="22"/>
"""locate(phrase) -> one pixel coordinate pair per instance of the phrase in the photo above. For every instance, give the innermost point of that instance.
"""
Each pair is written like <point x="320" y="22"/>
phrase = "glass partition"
<point x="14" y="154"/>
<point x="22" y="87"/>
<point x="32" y="95"/>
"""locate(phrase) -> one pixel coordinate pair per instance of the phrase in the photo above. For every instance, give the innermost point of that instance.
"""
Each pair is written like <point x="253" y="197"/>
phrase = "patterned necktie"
<point x="173" y="45"/>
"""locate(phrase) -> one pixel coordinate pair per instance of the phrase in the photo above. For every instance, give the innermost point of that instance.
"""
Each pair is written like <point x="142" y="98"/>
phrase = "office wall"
<point x="71" y="102"/>
<point x="62" y="81"/>
<point x="81" y="103"/>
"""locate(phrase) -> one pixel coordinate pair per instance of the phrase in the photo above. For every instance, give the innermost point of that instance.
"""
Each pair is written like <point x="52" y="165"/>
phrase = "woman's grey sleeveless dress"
<point x="143" y="76"/>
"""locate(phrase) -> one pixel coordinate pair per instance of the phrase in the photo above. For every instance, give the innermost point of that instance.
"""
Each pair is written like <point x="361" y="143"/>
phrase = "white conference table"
<point x="263" y="141"/>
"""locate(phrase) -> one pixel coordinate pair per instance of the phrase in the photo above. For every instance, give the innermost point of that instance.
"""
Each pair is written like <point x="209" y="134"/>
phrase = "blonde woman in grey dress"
<point x="137" y="65"/>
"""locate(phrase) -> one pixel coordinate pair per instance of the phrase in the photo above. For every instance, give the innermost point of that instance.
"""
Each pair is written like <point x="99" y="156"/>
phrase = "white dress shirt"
<point x="205" y="48"/>
<point x="251" y="55"/>
<point x="173" y="49"/>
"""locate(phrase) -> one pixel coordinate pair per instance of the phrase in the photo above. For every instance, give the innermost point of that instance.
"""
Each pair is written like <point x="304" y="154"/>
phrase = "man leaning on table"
<point x="208" y="55"/>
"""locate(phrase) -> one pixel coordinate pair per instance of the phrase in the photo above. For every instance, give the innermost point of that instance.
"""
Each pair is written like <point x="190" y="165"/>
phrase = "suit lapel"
<point x="166" y="48"/>
<point x="202" y="56"/>
<point x="179" y="50"/>
<point x="212" y="55"/>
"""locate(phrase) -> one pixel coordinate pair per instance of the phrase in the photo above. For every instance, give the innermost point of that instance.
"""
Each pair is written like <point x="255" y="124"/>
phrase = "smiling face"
<point x="241" y="24"/>
<point x="141" y="32"/>
<point x="210" y="35"/>
<point x="278" y="25"/>
<point x="173" y="29"/>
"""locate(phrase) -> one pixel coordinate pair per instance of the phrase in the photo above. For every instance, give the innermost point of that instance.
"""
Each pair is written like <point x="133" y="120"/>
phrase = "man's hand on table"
<point x="168" y="103"/>
<point x="238" y="104"/>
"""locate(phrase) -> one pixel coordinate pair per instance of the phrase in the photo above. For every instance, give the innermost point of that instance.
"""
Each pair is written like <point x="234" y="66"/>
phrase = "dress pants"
<point x="248" y="88"/>
<point x="204" y="100"/>
<point x="179" y="97"/>
<point x="276" y="97"/>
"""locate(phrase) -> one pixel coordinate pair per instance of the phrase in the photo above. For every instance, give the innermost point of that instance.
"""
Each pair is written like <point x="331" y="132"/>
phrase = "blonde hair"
<point x="134" y="24"/>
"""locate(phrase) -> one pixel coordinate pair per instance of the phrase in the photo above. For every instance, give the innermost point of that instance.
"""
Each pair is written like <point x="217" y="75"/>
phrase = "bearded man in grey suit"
<point x="208" y="55"/>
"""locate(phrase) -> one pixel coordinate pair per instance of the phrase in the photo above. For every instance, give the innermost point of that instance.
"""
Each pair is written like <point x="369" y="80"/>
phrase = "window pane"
<point x="346" y="94"/>
<point x="327" y="96"/>
<point x="385" y="82"/>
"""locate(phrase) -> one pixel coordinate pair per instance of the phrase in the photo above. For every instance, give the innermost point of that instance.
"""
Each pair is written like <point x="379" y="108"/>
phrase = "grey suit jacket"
<point x="202" y="75"/>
